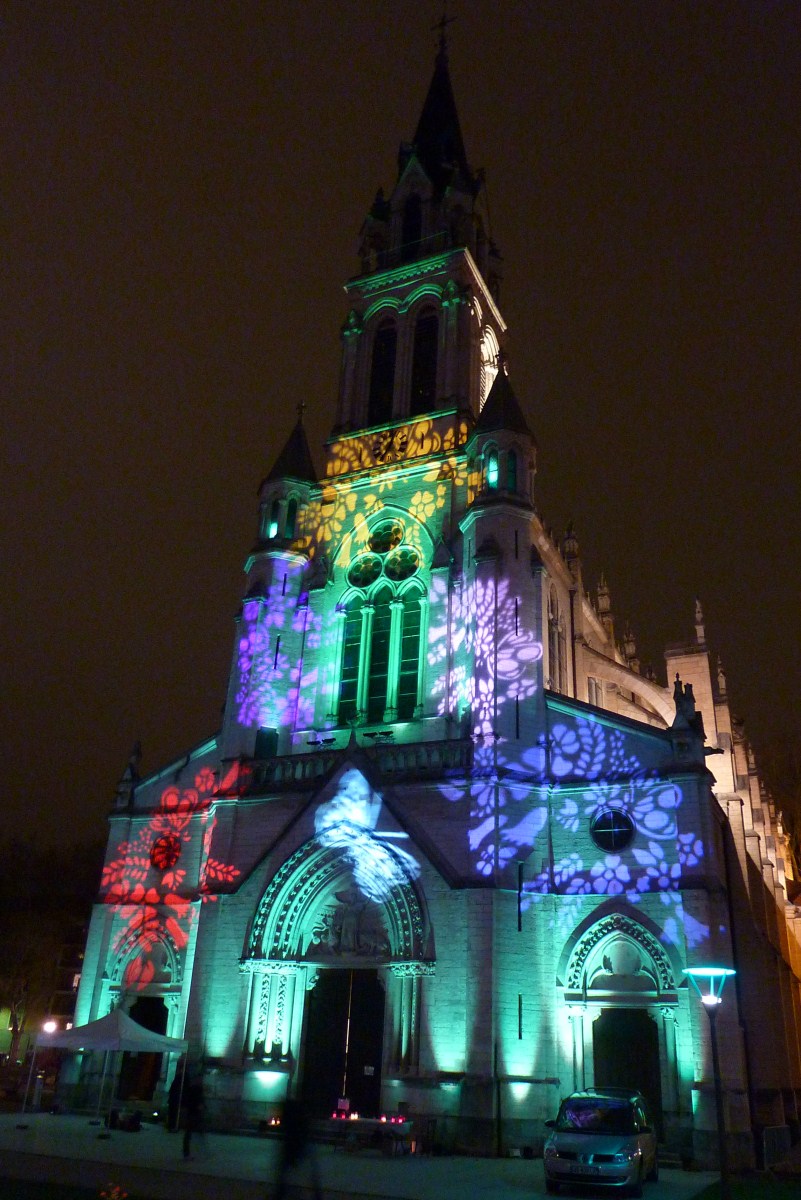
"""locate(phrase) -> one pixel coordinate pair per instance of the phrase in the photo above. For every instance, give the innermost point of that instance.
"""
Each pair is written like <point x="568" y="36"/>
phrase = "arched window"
<point x="379" y="654"/>
<point x="424" y="364"/>
<point x="412" y="231"/>
<point x="511" y="471"/>
<point x="382" y="374"/>
<point x="272" y="524"/>
<point x="291" y="518"/>
<point x="382" y="630"/>
<point x="410" y="655"/>
<point x="349" y="680"/>
<point x="492" y="468"/>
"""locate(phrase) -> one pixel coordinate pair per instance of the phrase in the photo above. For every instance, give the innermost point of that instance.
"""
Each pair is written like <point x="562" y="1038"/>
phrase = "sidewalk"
<point x="72" y="1150"/>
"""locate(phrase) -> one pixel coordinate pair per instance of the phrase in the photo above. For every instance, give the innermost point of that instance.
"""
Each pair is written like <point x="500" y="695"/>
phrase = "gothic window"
<point x="424" y="364"/>
<point x="382" y="374"/>
<point x="492" y="468"/>
<point x="350" y="659"/>
<point x="511" y="471"/>
<point x="379" y="654"/>
<point x="410" y="654"/>
<point x="382" y="631"/>
<point x="412" y="232"/>
<point x="291" y="518"/>
<point x="272" y="524"/>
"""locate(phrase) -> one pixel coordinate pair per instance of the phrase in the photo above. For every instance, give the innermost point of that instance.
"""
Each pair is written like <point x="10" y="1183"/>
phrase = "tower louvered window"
<point x="382" y="374"/>
<point x="424" y="364"/>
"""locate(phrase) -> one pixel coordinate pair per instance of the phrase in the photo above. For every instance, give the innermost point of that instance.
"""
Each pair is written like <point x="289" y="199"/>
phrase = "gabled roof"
<point x="502" y="409"/>
<point x="295" y="460"/>
<point x="438" y="137"/>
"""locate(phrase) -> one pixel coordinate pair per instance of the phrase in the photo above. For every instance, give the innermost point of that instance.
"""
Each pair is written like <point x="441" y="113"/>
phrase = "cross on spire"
<point x="442" y="25"/>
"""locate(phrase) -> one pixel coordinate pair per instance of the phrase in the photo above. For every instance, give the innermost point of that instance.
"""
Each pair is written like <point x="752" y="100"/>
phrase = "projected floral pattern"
<point x="347" y="822"/>
<point x="148" y="885"/>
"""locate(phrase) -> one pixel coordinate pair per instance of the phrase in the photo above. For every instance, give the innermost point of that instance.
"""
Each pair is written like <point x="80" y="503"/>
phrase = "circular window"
<point x="165" y="851"/>
<point x="364" y="571"/>
<point x="386" y="537"/>
<point x="612" y="830"/>
<point x="401" y="564"/>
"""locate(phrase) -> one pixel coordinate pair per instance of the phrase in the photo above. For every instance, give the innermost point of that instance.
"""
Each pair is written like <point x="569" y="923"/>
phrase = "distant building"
<point x="451" y="850"/>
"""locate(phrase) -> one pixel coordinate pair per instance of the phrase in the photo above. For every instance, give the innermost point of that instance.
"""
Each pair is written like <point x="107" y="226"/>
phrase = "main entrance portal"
<point x="139" y="1073"/>
<point x="344" y="1028"/>
<point x="626" y="1052"/>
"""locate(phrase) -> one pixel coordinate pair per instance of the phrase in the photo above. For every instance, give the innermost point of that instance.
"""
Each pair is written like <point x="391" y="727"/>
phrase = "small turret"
<point x="123" y="796"/>
<point x="604" y="607"/>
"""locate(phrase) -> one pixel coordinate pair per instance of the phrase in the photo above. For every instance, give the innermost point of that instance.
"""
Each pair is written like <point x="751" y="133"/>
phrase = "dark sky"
<point x="183" y="186"/>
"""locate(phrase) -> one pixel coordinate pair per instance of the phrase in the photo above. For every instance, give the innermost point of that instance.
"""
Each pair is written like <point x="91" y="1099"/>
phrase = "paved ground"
<point x="149" y="1164"/>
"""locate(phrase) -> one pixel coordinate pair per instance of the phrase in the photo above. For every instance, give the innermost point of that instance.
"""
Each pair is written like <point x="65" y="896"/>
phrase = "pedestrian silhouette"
<point x="193" y="1113"/>
<point x="297" y="1149"/>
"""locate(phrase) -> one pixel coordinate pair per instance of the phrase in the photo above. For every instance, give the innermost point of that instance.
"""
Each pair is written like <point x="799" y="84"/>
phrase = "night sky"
<point x="183" y="186"/>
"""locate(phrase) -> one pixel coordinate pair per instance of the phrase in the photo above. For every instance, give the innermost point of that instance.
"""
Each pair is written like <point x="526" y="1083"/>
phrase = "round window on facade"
<point x="612" y="830"/>
<point x="364" y="571"/>
<point x="165" y="851"/>
<point x="386" y="537"/>
<point x="401" y="564"/>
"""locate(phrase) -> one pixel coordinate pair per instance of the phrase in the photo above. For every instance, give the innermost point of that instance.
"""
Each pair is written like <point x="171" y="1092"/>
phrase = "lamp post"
<point x="715" y="979"/>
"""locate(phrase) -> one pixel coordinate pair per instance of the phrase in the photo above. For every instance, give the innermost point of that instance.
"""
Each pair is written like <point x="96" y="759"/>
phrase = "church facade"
<point x="450" y="852"/>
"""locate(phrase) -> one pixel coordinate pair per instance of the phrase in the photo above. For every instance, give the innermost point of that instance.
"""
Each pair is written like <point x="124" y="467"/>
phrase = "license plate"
<point x="584" y="1169"/>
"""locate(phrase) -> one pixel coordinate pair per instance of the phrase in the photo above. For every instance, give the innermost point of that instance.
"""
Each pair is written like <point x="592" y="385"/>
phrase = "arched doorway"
<point x="139" y="1073"/>
<point x="625" y="1044"/>
<point x="342" y="1051"/>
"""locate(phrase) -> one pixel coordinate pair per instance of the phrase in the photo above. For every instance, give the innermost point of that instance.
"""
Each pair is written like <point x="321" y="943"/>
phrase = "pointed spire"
<point x="295" y="460"/>
<point x="502" y="409"/>
<point x="438" y="138"/>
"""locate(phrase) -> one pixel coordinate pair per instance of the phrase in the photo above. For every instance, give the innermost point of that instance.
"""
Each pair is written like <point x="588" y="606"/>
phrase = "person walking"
<point x="296" y="1149"/>
<point x="193" y="1113"/>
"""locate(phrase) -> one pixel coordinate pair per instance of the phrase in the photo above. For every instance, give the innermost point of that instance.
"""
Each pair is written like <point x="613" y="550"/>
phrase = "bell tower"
<point x="424" y="331"/>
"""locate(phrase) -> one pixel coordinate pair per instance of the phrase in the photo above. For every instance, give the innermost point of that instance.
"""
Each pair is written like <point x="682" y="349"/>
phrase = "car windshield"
<point x="596" y="1116"/>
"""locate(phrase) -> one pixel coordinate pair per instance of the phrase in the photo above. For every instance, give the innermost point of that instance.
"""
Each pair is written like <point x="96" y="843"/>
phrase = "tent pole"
<point x="30" y="1077"/>
<point x="102" y="1082"/>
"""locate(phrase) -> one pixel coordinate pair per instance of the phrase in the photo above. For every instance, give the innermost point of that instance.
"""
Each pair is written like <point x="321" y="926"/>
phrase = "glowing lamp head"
<point x="50" y="1027"/>
<point x="709" y="983"/>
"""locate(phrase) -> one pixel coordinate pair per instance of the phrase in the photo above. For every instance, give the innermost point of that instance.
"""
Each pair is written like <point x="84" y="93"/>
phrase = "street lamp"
<point x="715" y="979"/>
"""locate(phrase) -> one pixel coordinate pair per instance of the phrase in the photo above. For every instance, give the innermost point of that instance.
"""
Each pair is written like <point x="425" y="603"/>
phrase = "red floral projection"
<point x="146" y="877"/>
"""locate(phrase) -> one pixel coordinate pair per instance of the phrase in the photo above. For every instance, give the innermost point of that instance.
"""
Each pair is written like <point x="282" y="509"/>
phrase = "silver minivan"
<point x="601" y="1137"/>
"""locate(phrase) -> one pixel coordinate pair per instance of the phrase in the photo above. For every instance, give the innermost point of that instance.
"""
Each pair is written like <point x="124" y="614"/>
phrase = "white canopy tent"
<point x="116" y="1031"/>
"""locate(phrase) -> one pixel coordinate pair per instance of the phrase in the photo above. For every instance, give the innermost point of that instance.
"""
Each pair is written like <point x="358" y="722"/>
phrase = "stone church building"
<point x="450" y="851"/>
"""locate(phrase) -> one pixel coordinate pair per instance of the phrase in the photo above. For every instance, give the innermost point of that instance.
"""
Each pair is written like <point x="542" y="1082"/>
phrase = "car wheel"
<point x="653" y="1174"/>
<point x="636" y="1188"/>
<point x="551" y="1187"/>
